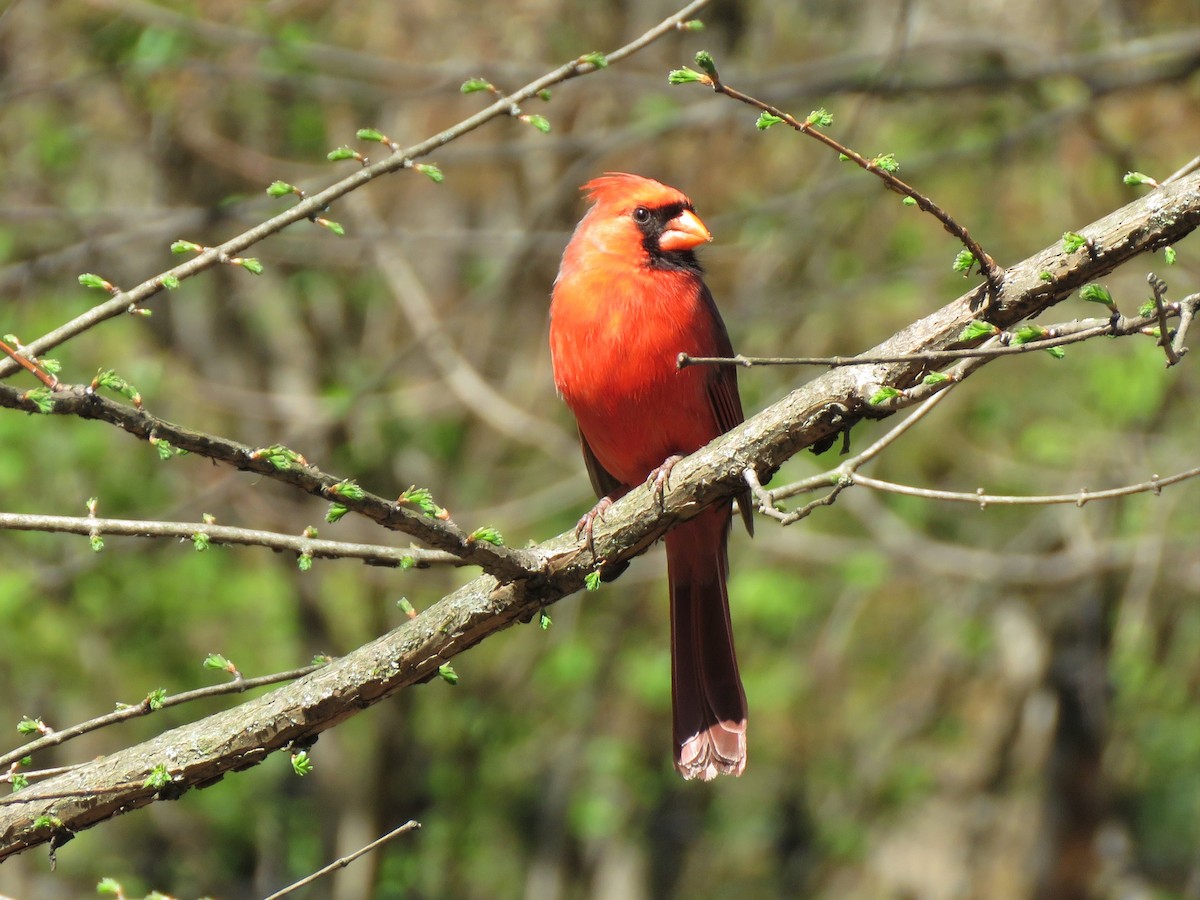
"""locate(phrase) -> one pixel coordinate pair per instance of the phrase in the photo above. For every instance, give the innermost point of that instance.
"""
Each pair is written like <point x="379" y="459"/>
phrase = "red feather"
<point x="629" y="298"/>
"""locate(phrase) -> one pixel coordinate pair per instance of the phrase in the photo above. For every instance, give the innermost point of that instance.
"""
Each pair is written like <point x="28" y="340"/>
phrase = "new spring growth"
<point x="591" y="581"/>
<point x="158" y="778"/>
<point x="217" y="661"/>
<point x="333" y="226"/>
<point x="936" y="378"/>
<point x="155" y="699"/>
<point x="282" y="189"/>
<point x="541" y="123"/>
<point x="596" y="60"/>
<point x="488" y="535"/>
<point x="302" y="763"/>
<point x="886" y="162"/>
<point x="977" y="329"/>
<point x="422" y="499"/>
<point x="406" y="607"/>
<point x="28" y="726"/>
<point x="1134" y="179"/>
<point x="448" y="674"/>
<point x="963" y="261"/>
<point x="95" y="282"/>
<point x="472" y="85"/>
<point x="1096" y="293"/>
<point x="345" y="153"/>
<point x="279" y="456"/>
<point x="42" y="399"/>
<point x="348" y="489"/>
<point x="110" y="380"/>
<point x="430" y="171"/>
<point x="884" y="394"/>
<point x="377" y="137"/>
<point x="1072" y="241"/>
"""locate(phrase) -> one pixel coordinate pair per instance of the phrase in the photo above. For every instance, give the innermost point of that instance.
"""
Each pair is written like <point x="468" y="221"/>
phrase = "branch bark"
<point x="200" y="753"/>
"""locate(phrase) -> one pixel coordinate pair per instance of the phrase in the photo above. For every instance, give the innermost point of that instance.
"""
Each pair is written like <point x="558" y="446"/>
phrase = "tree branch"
<point x="202" y="752"/>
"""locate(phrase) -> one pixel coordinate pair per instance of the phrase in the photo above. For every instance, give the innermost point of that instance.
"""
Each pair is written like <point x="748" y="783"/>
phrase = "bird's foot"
<point x="659" y="479"/>
<point x="587" y="522"/>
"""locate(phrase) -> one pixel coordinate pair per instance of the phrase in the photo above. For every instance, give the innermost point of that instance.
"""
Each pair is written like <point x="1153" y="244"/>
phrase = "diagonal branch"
<point x="202" y="752"/>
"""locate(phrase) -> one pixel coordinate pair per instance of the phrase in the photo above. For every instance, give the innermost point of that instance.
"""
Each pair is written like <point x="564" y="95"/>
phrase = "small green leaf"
<point x="471" y="85"/>
<point x="597" y="59"/>
<point x="977" y="329"/>
<point x="251" y="265"/>
<point x="544" y="621"/>
<point x="541" y="123"/>
<point x="964" y="261"/>
<point x="705" y="61"/>
<point x="53" y="366"/>
<point x="110" y="380"/>
<point x="47" y="821"/>
<point x="1071" y="241"/>
<point x="279" y="457"/>
<point x="321" y="659"/>
<point x="335" y="512"/>
<point x="19" y="781"/>
<point x="109" y="886"/>
<point x="422" y="499"/>
<point x="406" y="607"/>
<point x="342" y="153"/>
<point x="304" y="562"/>
<point x="31" y="726"/>
<point x="1056" y="352"/>
<point x="200" y="541"/>
<point x="88" y="280"/>
<point x="281" y="189"/>
<point x="842" y="157"/>
<point x="407" y="562"/>
<point x="448" y="674"/>
<point x="766" y="120"/>
<point x="302" y="763"/>
<point x="181" y="247"/>
<point x="349" y="489"/>
<point x="935" y="378"/>
<point x="335" y="227"/>
<point x="1169" y="255"/>
<point x="883" y="395"/>
<point x="591" y="581"/>
<point x="1097" y="293"/>
<point x="1149" y="308"/>
<point x="217" y="661"/>
<point x="42" y="398"/>
<point x="96" y="542"/>
<point x="544" y="95"/>
<point x="170" y="282"/>
<point x="430" y="171"/>
<point x="686" y="76"/>
<point x="1027" y="334"/>
<point x="1045" y="276"/>
<point x="156" y="697"/>
<point x="691" y="25"/>
<point x="1133" y="179"/>
<point x="488" y="535"/>
<point x="164" y="448"/>
<point x="819" y="118"/>
<point x="370" y="134"/>
<point x="158" y="778"/>
<point x="886" y="162"/>
<point x="909" y="201"/>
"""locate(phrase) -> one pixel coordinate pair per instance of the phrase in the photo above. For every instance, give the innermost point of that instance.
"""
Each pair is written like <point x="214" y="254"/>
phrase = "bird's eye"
<point x="641" y="215"/>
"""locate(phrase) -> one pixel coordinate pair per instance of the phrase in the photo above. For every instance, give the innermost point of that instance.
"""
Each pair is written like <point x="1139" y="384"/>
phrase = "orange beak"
<point x="684" y="232"/>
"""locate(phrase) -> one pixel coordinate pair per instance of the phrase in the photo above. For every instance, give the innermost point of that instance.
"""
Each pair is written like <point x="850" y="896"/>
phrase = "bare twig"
<point x="993" y="273"/>
<point x="411" y="825"/>
<point x="371" y="554"/>
<point x="147" y="706"/>
<point x="1153" y="485"/>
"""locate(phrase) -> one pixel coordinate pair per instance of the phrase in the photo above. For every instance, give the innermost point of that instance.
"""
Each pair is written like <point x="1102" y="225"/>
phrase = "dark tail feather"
<point x="706" y="691"/>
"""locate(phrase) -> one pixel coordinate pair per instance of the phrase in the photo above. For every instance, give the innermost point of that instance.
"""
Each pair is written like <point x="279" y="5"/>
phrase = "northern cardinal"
<point x="628" y="299"/>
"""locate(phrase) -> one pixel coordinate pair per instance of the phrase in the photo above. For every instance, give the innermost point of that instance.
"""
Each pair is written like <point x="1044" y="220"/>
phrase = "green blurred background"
<point x="945" y="702"/>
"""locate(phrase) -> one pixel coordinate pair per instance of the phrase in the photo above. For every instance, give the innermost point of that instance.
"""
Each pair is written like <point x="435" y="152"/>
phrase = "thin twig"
<point x="993" y="273"/>
<point x="146" y="707"/>
<point x="1159" y="287"/>
<point x="1059" y="335"/>
<point x="411" y="825"/>
<point x="371" y="554"/>
<point x="1153" y="486"/>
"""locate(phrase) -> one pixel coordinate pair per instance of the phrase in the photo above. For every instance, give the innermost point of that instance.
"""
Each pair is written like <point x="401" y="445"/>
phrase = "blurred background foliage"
<point x="946" y="702"/>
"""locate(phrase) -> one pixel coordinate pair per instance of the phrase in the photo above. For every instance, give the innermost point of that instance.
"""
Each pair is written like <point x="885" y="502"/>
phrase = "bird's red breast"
<point x="629" y="298"/>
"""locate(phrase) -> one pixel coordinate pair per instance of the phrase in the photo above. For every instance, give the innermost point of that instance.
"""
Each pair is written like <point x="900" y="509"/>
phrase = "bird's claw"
<point x="587" y="522"/>
<point x="659" y="479"/>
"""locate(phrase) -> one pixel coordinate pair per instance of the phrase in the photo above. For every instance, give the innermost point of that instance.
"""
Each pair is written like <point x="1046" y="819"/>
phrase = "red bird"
<point x="628" y="299"/>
